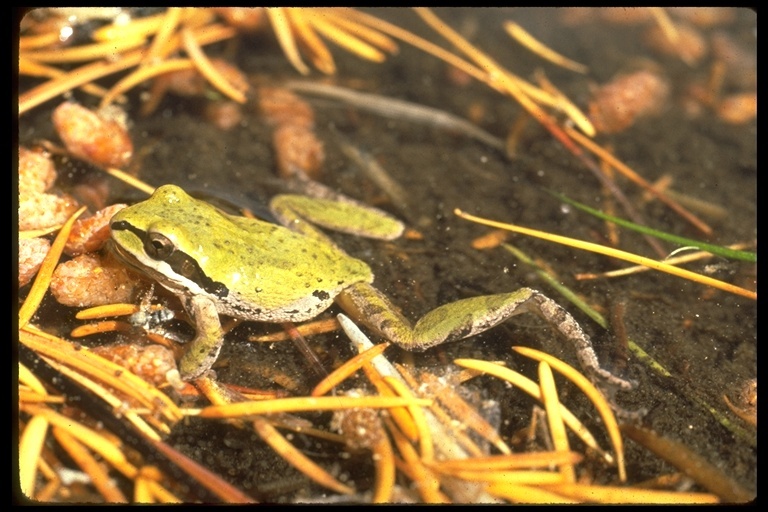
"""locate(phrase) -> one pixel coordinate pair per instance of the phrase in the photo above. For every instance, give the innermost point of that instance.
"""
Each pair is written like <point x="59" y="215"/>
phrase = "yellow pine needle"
<point x="517" y="493"/>
<point x="521" y="477"/>
<point x="43" y="278"/>
<point x="614" y="253"/>
<point x="344" y="371"/>
<point x="634" y="495"/>
<point x="280" y="24"/>
<point x="454" y="424"/>
<point x="39" y="41"/>
<point x="98" y="474"/>
<point x="378" y="39"/>
<point x="29" y="379"/>
<point x="597" y="399"/>
<point x="384" y="466"/>
<point x="31" y="443"/>
<point x="150" y="25"/>
<point x="665" y="23"/>
<point x="76" y="78"/>
<point x="694" y="256"/>
<point x="143" y="74"/>
<point x="297" y="459"/>
<point x="165" y="31"/>
<point x="319" y="53"/>
<point x="531" y="388"/>
<point x="133" y="415"/>
<point x="425" y="481"/>
<point x="101" y="370"/>
<point x="297" y="404"/>
<point x="107" y="310"/>
<point x="524" y="38"/>
<point x="110" y="50"/>
<point x="100" y="327"/>
<point x="156" y="491"/>
<point x="417" y="415"/>
<point x="32" y="68"/>
<point x="305" y="329"/>
<point x="399" y="415"/>
<point x="207" y="69"/>
<point x="36" y="233"/>
<point x="130" y="180"/>
<point x="98" y="443"/>
<point x="508" y="461"/>
<point x="554" y="419"/>
<point x="346" y="40"/>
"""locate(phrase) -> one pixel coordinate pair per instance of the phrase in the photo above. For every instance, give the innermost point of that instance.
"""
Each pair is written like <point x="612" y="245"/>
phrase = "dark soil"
<point x="706" y="339"/>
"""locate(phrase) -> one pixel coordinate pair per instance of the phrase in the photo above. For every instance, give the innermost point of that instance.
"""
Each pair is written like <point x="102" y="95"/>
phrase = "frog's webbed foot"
<point x="471" y="316"/>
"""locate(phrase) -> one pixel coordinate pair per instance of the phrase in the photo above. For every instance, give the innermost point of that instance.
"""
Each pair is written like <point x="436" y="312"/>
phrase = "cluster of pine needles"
<point x="84" y="420"/>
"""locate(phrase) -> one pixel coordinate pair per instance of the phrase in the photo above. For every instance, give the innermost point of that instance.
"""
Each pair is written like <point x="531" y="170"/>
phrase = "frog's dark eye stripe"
<point x="161" y="248"/>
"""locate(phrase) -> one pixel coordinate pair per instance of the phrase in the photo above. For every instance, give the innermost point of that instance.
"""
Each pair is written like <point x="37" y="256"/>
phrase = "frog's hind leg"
<point x="468" y="317"/>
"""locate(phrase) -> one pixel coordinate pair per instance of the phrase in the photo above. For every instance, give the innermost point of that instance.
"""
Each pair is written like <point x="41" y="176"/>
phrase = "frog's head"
<point x="154" y="238"/>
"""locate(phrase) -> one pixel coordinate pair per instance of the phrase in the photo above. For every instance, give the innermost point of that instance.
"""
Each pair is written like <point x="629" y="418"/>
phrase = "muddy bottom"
<point x="704" y="338"/>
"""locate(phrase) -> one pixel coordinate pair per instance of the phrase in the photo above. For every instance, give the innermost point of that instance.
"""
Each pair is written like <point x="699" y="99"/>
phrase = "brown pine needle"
<point x="614" y="253"/>
<point x="297" y="459"/>
<point x="524" y="38"/>
<point x="207" y="479"/>
<point x="637" y="179"/>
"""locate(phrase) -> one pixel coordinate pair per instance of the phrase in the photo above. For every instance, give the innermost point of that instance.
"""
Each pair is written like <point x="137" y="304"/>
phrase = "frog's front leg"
<point x="204" y="349"/>
<point x="468" y="317"/>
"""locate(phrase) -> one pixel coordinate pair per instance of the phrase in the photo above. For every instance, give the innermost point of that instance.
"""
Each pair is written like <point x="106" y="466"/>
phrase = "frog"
<point x="290" y="271"/>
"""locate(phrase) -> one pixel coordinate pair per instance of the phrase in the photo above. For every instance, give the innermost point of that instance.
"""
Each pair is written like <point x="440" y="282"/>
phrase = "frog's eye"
<point x="158" y="247"/>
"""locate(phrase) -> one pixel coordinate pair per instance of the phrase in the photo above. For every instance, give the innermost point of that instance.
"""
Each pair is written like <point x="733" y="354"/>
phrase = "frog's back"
<point x="272" y="273"/>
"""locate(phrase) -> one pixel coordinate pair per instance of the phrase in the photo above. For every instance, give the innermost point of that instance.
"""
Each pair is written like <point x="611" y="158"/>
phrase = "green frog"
<point x="251" y="269"/>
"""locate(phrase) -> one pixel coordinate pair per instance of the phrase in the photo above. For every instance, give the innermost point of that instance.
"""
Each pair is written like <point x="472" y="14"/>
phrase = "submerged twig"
<point x="398" y="109"/>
